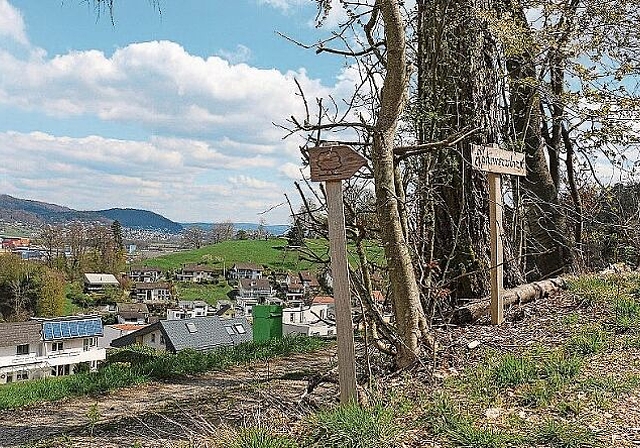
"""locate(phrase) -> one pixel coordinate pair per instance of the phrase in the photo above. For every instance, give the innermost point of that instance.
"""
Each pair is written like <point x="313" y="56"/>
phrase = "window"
<point x="230" y="330"/>
<point x="292" y="317"/>
<point x="56" y="346"/>
<point x="162" y="339"/>
<point x="153" y="337"/>
<point x="22" y="375"/>
<point x="60" y="370"/>
<point x="22" y="349"/>
<point x="88" y="343"/>
<point x="240" y="329"/>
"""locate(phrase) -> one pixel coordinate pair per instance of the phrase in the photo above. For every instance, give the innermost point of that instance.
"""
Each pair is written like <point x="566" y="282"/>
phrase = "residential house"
<point x="294" y="291"/>
<point x="310" y="283"/>
<point x="188" y="309"/>
<point x="252" y="292"/>
<point x="42" y="348"/>
<point x="317" y="319"/>
<point x="260" y="288"/>
<point x="21" y="351"/>
<point x="290" y="286"/>
<point x="99" y="283"/>
<point x="198" y="273"/>
<point x="132" y="313"/>
<point x="12" y="242"/>
<point x="199" y="333"/>
<point x="156" y="292"/>
<point x="324" y="300"/>
<point x="145" y="275"/>
<point x="115" y="331"/>
<point x="226" y="311"/>
<point x="245" y="270"/>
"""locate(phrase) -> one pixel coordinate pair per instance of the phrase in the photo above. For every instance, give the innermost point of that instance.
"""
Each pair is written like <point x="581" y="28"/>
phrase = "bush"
<point x="352" y="426"/>
<point x="257" y="437"/>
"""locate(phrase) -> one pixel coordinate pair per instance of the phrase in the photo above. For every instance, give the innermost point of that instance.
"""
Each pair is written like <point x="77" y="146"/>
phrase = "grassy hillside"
<point x="271" y="253"/>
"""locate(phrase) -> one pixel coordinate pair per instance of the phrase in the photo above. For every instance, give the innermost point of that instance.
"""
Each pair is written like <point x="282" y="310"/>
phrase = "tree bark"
<point x="521" y="294"/>
<point x="409" y="315"/>
<point x="550" y="252"/>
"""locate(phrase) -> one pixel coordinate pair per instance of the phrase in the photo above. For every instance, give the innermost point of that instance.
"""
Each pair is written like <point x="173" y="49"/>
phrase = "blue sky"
<point x="170" y="112"/>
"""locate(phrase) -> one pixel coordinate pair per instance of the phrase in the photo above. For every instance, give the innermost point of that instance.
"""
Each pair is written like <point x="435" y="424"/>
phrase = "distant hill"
<point x="140" y="219"/>
<point x="36" y="212"/>
<point x="277" y="229"/>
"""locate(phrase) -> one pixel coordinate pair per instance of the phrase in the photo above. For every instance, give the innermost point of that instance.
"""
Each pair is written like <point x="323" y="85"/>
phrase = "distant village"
<point x="263" y="304"/>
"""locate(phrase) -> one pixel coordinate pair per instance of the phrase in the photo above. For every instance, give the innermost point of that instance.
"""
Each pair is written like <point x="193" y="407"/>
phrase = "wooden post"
<point x="497" y="254"/>
<point x="495" y="161"/>
<point x="341" y="292"/>
<point x="332" y="164"/>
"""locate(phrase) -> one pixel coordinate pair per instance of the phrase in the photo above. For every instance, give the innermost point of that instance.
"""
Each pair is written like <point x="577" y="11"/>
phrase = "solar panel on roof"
<point x="72" y="329"/>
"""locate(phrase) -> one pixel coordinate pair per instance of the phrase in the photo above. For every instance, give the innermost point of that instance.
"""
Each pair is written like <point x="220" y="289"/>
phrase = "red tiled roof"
<point x="323" y="300"/>
<point x="128" y="327"/>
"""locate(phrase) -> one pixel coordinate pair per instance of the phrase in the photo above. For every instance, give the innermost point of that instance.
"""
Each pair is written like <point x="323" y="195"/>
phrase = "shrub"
<point x="627" y="314"/>
<point x="564" y="435"/>
<point x="257" y="437"/>
<point x="589" y="340"/>
<point x="352" y="426"/>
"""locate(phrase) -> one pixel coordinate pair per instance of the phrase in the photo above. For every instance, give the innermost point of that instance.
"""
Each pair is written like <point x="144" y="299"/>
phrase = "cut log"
<point x="521" y="294"/>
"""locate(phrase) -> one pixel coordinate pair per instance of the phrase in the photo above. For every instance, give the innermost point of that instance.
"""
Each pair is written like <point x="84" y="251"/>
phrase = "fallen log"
<point x="516" y="296"/>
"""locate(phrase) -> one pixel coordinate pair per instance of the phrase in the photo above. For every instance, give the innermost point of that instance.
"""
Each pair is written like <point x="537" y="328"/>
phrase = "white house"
<point x="188" y="309"/>
<point x="317" y="319"/>
<point x="42" y="348"/>
<point x="152" y="292"/>
<point x="132" y="313"/>
<point x="116" y="331"/>
<point x="198" y="273"/>
<point x="145" y="275"/>
<point x="245" y="270"/>
<point x="98" y="283"/>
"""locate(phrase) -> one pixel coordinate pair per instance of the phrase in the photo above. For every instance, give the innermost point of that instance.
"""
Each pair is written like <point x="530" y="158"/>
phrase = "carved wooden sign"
<point x="334" y="163"/>
<point x="492" y="159"/>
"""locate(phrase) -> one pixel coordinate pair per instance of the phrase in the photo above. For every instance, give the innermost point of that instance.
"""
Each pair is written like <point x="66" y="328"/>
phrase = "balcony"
<point x="74" y="356"/>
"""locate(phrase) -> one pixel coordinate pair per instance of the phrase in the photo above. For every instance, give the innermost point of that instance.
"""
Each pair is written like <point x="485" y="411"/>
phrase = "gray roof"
<point x="210" y="333"/>
<point x="247" y="267"/>
<point x="18" y="333"/>
<point x="101" y="279"/>
<point x="136" y="307"/>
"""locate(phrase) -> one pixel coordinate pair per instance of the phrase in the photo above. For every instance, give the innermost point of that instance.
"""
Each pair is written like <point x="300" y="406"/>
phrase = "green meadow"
<point x="272" y="253"/>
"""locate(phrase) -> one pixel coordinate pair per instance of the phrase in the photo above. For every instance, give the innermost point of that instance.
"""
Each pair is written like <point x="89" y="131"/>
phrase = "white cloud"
<point x="293" y="171"/>
<point x="212" y="154"/>
<point x="250" y="182"/>
<point x="284" y="5"/>
<point x="12" y="23"/>
<point x="157" y="85"/>
<point x="239" y="55"/>
<point x="95" y="172"/>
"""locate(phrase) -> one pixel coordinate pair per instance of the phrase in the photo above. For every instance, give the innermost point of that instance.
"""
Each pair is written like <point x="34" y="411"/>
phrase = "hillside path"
<point x="162" y="414"/>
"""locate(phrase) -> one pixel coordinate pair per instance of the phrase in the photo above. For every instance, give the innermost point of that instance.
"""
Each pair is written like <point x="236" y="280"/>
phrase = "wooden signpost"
<point x="495" y="161"/>
<point x="333" y="164"/>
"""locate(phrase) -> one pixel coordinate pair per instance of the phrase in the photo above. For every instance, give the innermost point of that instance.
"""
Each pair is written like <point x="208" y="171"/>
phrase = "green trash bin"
<point x="267" y="322"/>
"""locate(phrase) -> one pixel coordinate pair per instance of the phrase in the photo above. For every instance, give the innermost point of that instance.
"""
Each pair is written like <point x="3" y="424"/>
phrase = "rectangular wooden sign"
<point x="495" y="160"/>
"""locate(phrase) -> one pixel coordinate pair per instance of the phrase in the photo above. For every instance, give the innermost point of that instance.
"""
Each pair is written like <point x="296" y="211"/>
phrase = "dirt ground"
<point x="172" y="414"/>
<point x="162" y="415"/>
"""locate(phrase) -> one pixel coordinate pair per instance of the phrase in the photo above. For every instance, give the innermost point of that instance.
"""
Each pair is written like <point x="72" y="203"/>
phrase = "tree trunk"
<point x="409" y="315"/>
<point x="521" y="294"/>
<point x="550" y="253"/>
<point x="458" y="88"/>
